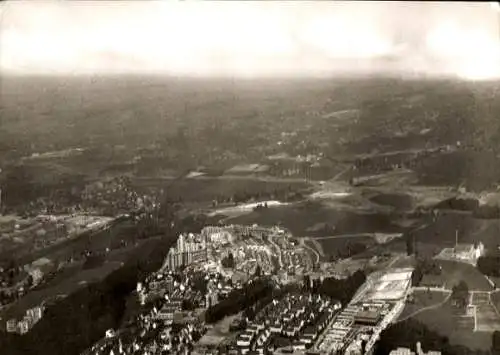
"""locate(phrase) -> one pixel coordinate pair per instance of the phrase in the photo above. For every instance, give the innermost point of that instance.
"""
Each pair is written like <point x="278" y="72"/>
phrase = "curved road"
<point x="278" y="249"/>
<point x="303" y="243"/>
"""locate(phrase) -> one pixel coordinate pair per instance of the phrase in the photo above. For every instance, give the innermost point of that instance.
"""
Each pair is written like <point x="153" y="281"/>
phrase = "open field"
<point x="422" y="300"/>
<point x="459" y="329"/>
<point x="303" y="219"/>
<point x="338" y="246"/>
<point x="453" y="272"/>
<point x="219" y="332"/>
<point x="470" y="230"/>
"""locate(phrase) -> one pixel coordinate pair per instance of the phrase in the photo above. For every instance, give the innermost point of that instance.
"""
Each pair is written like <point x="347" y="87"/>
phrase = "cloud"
<point x="239" y="38"/>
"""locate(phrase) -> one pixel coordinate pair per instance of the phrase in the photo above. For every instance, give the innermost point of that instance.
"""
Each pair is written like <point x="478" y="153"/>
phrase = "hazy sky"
<point x="246" y="38"/>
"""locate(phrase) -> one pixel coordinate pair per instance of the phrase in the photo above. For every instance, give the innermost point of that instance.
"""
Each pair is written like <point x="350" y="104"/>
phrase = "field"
<point x="458" y="328"/>
<point x="421" y="301"/>
<point x="301" y="218"/>
<point x="336" y="246"/>
<point x="453" y="272"/>
<point x="219" y="332"/>
<point x="470" y="230"/>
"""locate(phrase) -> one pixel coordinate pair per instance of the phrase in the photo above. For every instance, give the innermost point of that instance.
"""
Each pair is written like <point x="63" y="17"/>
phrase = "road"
<point x="225" y="177"/>
<point x="303" y="243"/>
<point x="278" y="249"/>
<point x="341" y="236"/>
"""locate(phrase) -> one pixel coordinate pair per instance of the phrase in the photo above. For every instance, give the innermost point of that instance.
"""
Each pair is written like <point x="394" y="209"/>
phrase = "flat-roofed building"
<point x="368" y="318"/>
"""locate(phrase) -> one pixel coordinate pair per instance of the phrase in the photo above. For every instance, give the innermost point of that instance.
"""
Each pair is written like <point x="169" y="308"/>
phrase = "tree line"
<point x="339" y="289"/>
<point x="470" y="205"/>
<point x="240" y="299"/>
<point x="489" y="265"/>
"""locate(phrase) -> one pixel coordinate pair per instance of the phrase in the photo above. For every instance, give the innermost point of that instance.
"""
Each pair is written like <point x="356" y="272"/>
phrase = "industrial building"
<point x="378" y="302"/>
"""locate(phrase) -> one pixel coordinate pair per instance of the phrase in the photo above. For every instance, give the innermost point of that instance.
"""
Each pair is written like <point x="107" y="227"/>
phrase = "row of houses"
<point x="299" y="318"/>
<point x="23" y="326"/>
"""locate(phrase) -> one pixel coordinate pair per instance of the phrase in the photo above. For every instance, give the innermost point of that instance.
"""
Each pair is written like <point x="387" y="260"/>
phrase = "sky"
<point x="248" y="38"/>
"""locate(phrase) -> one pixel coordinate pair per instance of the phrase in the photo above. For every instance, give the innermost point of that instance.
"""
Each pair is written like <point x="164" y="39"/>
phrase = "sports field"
<point x="487" y="317"/>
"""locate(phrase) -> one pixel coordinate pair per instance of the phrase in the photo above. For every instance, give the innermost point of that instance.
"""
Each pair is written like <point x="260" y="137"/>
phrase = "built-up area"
<point x="377" y="303"/>
<point x="200" y="271"/>
<point x="220" y="276"/>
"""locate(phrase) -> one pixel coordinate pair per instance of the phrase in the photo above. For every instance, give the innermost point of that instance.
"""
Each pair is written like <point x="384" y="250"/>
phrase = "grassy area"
<point x="453" y="272"/>
<point x="333" y="246"/>
<point x="458" y="329"/>
<point x="219" y="332"/>
<point x="443" y="231"/>
<point x="422" y="300"/>
<point x="300" y="218"/>
<point x="495" y="299"/>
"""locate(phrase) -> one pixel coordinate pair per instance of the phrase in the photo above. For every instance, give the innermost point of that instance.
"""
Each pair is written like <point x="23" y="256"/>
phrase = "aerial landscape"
<point x="331" y="214"/>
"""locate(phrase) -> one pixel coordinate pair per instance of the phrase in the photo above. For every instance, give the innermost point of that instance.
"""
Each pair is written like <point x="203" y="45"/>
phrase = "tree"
<point x="410" y="247"/>
<point x="258" y="271"/>
<point x="228" y="261"/>
<point x="187" y="305"/>
<point x="417" y="276"/>
<point x="460" y="294"/>
<point x="307" y="283"/>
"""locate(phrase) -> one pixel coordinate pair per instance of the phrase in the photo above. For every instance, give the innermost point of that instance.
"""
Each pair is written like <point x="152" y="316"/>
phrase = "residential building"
<point x="23" y="326"/>
<point x="188" y="250"/>
<point x="11" y="326"/>
<point x="419" y="351"/>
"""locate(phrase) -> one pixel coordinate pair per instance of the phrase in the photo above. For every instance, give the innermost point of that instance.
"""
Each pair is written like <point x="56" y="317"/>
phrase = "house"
<point x="299" y="346"/>
<point x="23" y="326"/>
<point x="11" y="326"/>
<point x="276" y="328"/>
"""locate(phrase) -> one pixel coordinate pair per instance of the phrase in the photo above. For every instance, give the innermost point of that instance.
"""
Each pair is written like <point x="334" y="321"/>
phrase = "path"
<point x="223" y="177"/>
<point x="437" y="305"/>
<point x="337" y="176"/>
<point x="394" y="261"/>
<point x="341" y="236"/>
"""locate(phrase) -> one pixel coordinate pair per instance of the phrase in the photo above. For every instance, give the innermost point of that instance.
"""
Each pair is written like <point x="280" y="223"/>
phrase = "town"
<point x="249" y="290"/>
